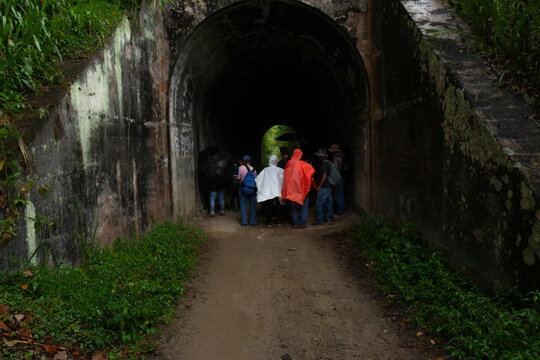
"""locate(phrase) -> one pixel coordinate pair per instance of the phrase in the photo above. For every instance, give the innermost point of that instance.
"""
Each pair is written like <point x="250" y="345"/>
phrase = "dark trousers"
<point x="272" y="208"/>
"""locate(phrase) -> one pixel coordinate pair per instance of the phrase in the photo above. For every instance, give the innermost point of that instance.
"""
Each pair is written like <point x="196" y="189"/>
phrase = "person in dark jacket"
<point x="215" y="173"/>
<point x="283" y="204"/>
<point x="284" y="157"/>
<point x="325" y="200"/>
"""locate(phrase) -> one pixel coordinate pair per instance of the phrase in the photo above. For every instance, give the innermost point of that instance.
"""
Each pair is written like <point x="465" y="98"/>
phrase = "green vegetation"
<point x="512" y="29"/>
<point x="14" y="186"/>
<point x="36" y="34"/>
<point x="271" y="145"/>
<point x="115" y="299"/>
<point x="443" y="302"/>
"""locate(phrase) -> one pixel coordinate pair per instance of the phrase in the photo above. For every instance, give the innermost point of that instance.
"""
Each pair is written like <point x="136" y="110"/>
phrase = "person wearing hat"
<point x="325" y="199"/>
<point x="339" y="189"/>
<point x="245" y="199"/>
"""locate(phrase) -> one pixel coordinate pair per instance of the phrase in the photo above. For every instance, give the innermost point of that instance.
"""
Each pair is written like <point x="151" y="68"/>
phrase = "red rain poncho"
<point x="297" y="178"/>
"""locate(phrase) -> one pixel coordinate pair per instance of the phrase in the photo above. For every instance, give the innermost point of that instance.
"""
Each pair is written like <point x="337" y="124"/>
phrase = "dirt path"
<point x="265" y="292"/>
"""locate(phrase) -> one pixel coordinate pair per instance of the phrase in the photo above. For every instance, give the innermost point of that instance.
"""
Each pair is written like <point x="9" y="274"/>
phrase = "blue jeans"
<point x="324" y="198"/>
<point x="339" y="194"/>
<point x="244" y="199"/>
<point x="213" y="195"/>
<point x="300" y="212"/>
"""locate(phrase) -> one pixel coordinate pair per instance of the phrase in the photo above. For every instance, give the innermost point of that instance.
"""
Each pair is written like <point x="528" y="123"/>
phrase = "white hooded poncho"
<point x="269" y="181"/>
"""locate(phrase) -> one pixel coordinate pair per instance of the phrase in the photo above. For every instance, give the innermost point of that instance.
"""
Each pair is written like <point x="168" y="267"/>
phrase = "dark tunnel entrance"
<point x="255" y="64"/>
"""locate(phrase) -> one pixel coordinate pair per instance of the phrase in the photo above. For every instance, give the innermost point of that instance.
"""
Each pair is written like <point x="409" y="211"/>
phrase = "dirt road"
<point x="278" y="292"/>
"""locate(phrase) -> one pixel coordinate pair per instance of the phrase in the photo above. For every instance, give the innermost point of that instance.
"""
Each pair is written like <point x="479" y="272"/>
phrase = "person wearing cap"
<point x="324" y="190"/>
<point x="245" y="199"/>
<point x="339" y="189"/>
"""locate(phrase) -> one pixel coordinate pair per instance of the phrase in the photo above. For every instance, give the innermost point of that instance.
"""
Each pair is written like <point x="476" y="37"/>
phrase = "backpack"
<point x="334" y="177"/>
<point x="249" y="186"/>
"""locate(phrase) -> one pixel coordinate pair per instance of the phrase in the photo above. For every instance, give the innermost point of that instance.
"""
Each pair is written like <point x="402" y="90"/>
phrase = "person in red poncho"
<point x="297" y="180"/>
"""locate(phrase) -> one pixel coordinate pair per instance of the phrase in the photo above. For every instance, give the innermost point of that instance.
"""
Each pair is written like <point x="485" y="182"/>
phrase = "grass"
<point x="512" y="30"/>
<point x="115" y="300"/>
<point x="442" y="302"/>
<point x="35" y="35"/>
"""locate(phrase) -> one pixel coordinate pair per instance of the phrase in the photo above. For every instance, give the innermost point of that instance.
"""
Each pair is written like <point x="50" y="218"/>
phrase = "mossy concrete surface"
<point x="104" y="150"/>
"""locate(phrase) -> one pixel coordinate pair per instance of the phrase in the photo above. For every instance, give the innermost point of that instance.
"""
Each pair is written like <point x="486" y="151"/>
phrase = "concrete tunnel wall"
<point x="247" y="68"/>
<point x="104" y="151"/>
<point x="123" y="143"/>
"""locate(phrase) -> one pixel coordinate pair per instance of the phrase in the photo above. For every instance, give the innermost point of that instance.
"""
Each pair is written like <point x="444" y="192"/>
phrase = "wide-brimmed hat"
<point x="334" y="148"/>
<point x="321" y="153"/>
<point x="246" y="158"/>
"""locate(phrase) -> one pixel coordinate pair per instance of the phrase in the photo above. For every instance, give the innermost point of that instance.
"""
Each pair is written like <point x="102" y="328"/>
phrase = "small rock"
<point x="286" y="357"/>
<point x="61" y="355"/>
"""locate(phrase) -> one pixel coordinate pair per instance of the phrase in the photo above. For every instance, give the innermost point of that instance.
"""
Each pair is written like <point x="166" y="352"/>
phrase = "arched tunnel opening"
<point x="255" y="64"/>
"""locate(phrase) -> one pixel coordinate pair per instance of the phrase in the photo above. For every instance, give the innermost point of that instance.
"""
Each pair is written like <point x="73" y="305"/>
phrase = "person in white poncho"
<point x="269" y="184"/>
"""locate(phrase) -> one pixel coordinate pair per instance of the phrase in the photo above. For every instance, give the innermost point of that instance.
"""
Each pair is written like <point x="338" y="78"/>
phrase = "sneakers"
<point x="222" y="213"/>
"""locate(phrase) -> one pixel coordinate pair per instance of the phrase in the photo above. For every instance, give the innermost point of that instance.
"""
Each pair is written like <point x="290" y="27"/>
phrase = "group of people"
<point x="283" y="187"/>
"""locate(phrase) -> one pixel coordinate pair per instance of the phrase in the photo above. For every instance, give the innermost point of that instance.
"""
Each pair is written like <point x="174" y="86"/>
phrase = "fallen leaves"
<point x="4" y="310"/>
<point x="50" y="349"/>
<point x="4" y="327"/>
<point x="14" y="329"/>
<point x="99" y="356"/>
<point x="28" y="273"/>
<point x="12" y="343"/>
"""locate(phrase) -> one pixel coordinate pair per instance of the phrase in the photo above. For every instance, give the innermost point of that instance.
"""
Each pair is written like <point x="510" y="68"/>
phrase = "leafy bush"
<point x="116" y="298"/>
<point x="477" y="326"/>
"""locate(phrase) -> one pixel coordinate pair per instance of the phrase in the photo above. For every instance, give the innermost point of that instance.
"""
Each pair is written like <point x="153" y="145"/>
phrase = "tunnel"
<point x="255" y="64"/>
